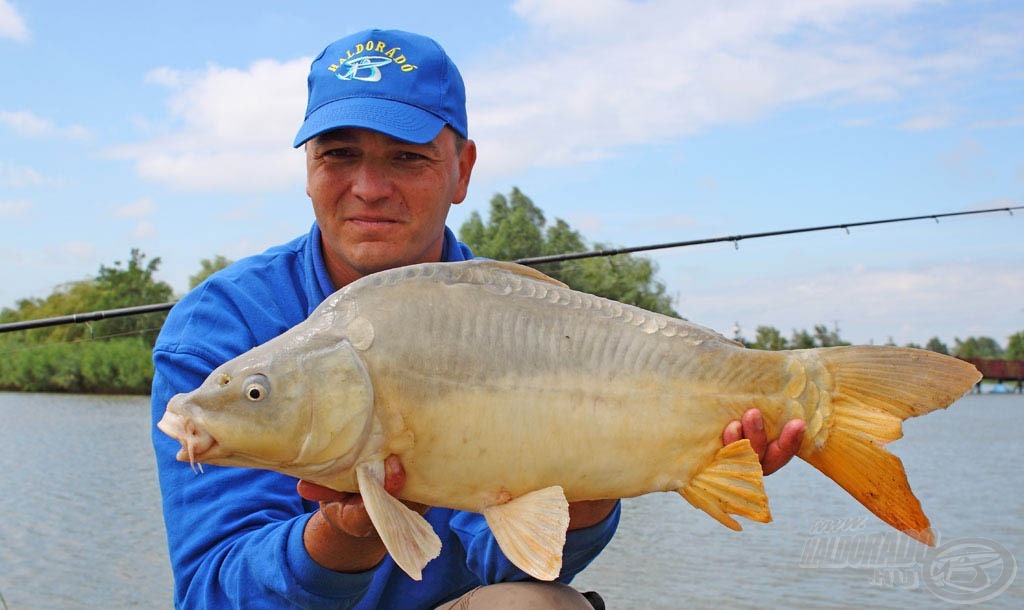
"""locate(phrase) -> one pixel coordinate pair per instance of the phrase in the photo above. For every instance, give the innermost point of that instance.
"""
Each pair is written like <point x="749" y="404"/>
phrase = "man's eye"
<point x="339" y="152"/>
<point x="410" y="156"/>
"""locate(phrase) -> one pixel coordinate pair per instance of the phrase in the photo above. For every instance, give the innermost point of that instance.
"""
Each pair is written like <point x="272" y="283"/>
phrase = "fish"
<point x="506" y="393"/>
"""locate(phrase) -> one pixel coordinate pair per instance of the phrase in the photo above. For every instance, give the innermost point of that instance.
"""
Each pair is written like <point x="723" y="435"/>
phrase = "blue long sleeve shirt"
<point x="235" y="534"/>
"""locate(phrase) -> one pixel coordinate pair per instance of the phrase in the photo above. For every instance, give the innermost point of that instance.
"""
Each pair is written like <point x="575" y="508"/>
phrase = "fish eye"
<point x="257" y="388"/>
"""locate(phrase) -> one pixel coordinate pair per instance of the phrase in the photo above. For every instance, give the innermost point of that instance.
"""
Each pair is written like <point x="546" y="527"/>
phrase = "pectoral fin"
<point x="409" y="538"/>
<point x="730" y="484"/>
<point x="531" y="530"/>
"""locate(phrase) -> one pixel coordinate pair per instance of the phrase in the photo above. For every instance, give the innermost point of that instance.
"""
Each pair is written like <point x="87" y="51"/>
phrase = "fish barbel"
<point x="505" y="393"/>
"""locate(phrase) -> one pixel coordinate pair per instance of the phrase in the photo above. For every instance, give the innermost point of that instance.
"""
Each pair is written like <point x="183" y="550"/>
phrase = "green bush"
<point x="113" y="366"/>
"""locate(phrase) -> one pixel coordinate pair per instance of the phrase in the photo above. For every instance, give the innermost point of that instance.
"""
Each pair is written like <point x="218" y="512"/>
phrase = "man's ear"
<point x="467" y="159"/>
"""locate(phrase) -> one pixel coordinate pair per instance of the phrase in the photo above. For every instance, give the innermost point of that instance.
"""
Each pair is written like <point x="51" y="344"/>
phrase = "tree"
<point x="1015" y="346"/>
<point x="769" y="337"/>
<point x="207" y="268"/>
<point x="935" y="345"/>
<point x="802" y="340"/>
<point x="127" y="285"/>
<point x="65" y="358"/>
<point x="120" y="285"/>
<point x="516" y="228"/>
<point x="977" y="347"/>
<point x="827" y="338"/>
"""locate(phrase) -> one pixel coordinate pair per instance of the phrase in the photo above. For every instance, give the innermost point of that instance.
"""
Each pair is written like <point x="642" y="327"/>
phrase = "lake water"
<point x="80" y="523"/>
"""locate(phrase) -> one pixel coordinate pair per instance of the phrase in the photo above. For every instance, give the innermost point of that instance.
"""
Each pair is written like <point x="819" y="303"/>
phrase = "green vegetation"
<point x="516" y="228"/>
<point x="70" y="358"/>
<point x="978" y="347"/>
<point x="207" y="267"/>
<point x="770" y="338"/>
<point x="1015" y="347"/>
<point x="114" y="356"/>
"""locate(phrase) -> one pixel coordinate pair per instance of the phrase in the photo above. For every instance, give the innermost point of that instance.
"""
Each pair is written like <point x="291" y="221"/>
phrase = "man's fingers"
<point x="319" y="493"/>
<point x="394" y="475"/>
<point x="773" y="455"/>
<point x="349" y="517"/>
<point x="785" y="447"/>
<point x="732" y="433"/>
<point x="753" y="430"/>
<point x="394" y="481"/>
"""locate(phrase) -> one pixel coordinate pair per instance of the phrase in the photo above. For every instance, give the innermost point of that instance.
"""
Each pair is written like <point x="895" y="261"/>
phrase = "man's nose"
<point x="371" y="181"/>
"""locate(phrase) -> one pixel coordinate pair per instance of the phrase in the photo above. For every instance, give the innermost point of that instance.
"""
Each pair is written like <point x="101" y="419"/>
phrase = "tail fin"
<point x="875" y="389"/>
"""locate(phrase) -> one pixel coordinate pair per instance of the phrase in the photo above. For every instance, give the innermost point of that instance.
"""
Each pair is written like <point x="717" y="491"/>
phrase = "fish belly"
<point x="505" y="392"/>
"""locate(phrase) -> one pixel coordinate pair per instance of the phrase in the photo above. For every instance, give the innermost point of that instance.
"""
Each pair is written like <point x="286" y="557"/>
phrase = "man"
<point x="387" y="154"/>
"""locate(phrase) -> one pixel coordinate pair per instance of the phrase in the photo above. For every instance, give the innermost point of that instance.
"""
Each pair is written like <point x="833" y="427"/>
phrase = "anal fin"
<point x="531" y="530"/>
<point x="408" y="537"/>
<point x="731" y="484"/>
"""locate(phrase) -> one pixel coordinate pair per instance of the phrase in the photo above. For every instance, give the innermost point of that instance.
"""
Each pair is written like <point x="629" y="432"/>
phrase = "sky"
<point x="167" y="127"/>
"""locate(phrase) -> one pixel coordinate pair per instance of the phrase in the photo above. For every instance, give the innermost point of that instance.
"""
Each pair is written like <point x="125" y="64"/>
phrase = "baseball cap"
<point x="398" y="83"/>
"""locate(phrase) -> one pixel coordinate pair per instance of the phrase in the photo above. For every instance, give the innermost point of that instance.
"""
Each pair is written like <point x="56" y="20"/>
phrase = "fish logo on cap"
<point x="370" y="64"/>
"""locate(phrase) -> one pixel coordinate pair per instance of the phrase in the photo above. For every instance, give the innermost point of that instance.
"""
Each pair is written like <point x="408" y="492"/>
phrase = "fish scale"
<point x="504" y="392"/>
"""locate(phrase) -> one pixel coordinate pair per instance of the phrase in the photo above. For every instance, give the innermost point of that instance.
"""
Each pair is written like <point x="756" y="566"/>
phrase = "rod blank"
<point x="535" y="260"/>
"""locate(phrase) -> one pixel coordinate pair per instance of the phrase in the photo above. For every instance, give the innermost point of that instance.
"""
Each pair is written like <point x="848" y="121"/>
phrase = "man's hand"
<point x="773" y="455"/>
<point x="340" y="536"/>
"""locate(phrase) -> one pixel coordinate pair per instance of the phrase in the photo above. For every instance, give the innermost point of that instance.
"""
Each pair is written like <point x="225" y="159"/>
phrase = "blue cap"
<point x="394" y="82"/>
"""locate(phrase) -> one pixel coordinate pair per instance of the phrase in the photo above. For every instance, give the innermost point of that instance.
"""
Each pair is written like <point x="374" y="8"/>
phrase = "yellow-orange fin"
<point x="875" y="389"/>
<point x="731" y="484"/>
<point x="531" y="530"/>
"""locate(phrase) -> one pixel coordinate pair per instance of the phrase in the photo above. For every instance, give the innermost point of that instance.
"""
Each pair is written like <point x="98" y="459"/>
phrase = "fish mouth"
<point x="196" y="442"/>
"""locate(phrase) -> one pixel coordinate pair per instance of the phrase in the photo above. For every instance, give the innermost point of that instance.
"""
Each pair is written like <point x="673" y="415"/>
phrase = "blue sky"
<point x="168" y="127"/>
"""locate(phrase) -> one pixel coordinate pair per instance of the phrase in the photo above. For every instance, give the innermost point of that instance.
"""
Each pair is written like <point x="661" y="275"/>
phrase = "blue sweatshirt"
<point x="235" y="534"/>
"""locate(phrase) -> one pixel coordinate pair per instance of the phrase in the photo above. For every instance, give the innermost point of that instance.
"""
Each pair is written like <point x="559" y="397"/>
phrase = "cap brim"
<point x="396" y="119"/>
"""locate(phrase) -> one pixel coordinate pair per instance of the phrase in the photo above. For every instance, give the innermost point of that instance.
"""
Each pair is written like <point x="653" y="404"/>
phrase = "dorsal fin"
<point x="518" y="269"/>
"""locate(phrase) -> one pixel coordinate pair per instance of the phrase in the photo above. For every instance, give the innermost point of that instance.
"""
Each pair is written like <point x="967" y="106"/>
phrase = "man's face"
<point x="382" y="203"/>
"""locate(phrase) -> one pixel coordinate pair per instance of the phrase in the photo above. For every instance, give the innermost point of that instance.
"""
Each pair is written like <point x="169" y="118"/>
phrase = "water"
<point x="80" y="523"/>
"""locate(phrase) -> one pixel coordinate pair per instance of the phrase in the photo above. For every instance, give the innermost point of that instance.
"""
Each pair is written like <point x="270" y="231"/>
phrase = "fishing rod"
<point x="534" y="260"/>
<point x="79" y="318"/>
<point x="736" y="239"/>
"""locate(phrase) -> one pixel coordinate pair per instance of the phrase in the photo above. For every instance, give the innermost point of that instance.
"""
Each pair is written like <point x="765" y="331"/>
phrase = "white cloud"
<point x="232" y="128"/>
<point x="29" y="124"/>
<point x="16" y="176"/>
<point x="594" y="77"/>
<point x="254" y="170"/>
<point x="139" y="208"/>
<point x="15" y="210"/>
<point x="947" y="299"/>
<point x="963" y="157"/>
<point x="928" y="122"/>
<point x="12" y="24"/>
<point x="1016" y="120"/>
<point x="587" y="79"/>
<point x="77" y="251"/>
<point x="143" y="230"/>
